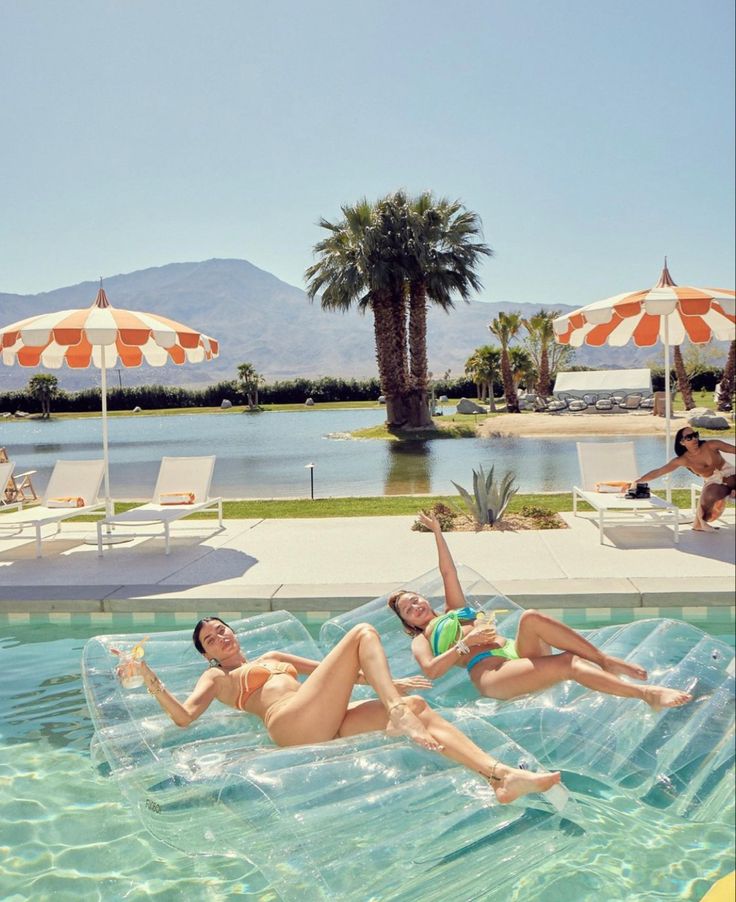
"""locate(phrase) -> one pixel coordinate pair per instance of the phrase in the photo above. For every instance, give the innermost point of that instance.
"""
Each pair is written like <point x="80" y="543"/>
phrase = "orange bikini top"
<point x="253" y="676"/>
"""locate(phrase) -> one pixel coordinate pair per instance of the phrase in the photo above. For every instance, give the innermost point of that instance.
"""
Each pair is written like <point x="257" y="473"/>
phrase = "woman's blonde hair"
<point x="393" y="601"/>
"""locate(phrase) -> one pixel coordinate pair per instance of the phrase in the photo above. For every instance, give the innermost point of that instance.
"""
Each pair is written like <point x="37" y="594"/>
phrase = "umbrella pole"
<point x="105" y="454"/>
<point x="667" y="401"/>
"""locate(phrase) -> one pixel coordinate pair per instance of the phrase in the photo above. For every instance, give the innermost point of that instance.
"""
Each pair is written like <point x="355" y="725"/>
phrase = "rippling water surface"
<point x="264" y="455"/>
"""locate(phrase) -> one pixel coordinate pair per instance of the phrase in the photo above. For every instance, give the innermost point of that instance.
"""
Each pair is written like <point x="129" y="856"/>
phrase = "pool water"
<point x="265" y="455"/>
<point x="67" y="833"/>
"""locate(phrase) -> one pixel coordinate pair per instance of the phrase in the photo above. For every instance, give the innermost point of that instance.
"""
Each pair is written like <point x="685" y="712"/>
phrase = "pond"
<point x="264" y="455"/>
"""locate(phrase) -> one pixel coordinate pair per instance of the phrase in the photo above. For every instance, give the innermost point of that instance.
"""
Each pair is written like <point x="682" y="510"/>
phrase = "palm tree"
<point x="250" y="381"/>
<point x="522" y="366"/>
<point x="541" y="337"/>
<point x="727" y="381"/>
<point x="506" y="327"/>
<point x="482" y="367"/>
<point x="683" y="381"/>
<point x="358" y="265"/>
<point x="44" y="387"/>
<point x="441" y="255"/>
<point x="393" y="255"/>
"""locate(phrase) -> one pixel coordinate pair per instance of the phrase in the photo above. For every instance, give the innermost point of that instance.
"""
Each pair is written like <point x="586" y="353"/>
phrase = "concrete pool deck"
<point x="328" y="565"/>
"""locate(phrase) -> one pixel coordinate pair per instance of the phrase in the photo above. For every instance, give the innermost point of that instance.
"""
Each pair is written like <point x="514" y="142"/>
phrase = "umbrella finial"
<point x="101" y="299"/>
<point x="665" y="279"/>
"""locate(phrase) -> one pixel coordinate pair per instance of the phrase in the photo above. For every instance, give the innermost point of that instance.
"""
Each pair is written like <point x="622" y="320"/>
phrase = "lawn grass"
<point x="380" y="506"/>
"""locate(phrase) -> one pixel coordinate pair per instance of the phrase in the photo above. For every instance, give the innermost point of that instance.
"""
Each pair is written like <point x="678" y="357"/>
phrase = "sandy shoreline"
<point x="533" y="424"/>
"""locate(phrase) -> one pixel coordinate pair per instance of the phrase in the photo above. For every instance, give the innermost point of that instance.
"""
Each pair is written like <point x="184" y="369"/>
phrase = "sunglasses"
<point x="686" y="438"/>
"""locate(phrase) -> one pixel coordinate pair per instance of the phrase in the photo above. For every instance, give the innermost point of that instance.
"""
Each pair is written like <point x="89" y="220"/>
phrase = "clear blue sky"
<point x="591" y="137"/>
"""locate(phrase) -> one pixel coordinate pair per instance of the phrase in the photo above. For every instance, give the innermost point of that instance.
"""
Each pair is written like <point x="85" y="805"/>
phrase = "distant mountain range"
<point x="260" y="319"/>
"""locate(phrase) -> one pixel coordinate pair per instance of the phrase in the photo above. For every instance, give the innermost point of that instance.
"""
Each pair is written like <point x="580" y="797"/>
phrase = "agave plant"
<point x="490" y="499"/>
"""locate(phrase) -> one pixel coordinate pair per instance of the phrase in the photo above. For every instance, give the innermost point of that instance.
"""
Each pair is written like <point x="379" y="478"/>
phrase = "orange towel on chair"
<point x="66" y="501"/>
<point x="176" y="498"/>
<point x="612" y="487"/>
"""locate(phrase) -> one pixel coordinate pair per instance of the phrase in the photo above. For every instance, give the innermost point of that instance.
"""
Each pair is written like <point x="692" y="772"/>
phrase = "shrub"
<point x="543" y="517"/>
<point x="490" y="499"/>
<point x="445" y="516"/>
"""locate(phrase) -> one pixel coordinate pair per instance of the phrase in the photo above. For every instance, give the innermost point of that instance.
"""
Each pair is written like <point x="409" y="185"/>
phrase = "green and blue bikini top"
<point x="445" y="630"/>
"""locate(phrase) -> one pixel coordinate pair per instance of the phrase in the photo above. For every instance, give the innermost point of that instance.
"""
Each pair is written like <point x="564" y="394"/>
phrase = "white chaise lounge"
<point x="73" y="489"/>
<point x="602" y="462"/>
<point x="183" y="482"/>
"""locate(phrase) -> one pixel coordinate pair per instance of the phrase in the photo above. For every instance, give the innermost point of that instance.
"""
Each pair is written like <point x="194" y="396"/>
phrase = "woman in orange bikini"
<point x="319" y="709"/>
<point x="507" y="668"/>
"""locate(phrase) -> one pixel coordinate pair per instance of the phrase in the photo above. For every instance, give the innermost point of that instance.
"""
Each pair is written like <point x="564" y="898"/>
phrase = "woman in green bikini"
<point x="506" y="668"/>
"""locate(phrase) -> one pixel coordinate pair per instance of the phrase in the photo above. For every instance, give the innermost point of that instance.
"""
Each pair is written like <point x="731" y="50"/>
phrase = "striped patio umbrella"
<point x="668" y="313"/>
<point x="102" y="336"/>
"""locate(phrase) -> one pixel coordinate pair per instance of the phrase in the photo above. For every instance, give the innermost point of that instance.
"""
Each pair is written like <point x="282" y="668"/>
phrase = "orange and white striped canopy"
<point x="671" y="311"/>
<point x="78" y="337"/>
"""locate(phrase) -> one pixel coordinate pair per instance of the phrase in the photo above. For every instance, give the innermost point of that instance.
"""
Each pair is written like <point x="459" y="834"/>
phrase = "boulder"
<point x="465" y="405"/>
<point x="444" y="399"/>
<point x="225" y="404"/>
<point x="309" y="402"/>
<point x="382" y="399"/>
<point x="137" y="409"/>
<point x="709" y="422"/>
<point x="701" y="412"/>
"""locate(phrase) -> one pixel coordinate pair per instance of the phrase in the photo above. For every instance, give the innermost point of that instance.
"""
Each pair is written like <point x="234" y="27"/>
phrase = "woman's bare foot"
<point x="658" y="697"/>
<point x="402" y="721"/>
<point x="509" y="783"/>
<point x="705" y="527"/>
<point x="623" y="668"/>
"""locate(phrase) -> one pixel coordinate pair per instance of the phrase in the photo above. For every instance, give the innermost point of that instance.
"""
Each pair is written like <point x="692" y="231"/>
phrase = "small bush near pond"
<point x="542" y="517"/>
<point x="529" y="516"/>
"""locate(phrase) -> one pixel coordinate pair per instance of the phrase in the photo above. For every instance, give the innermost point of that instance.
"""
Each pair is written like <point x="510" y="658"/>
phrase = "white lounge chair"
<point x="177" y="476"/>
<point x="696" y="488"/>
<point x="73" y="482"/>
<point x="608" y="462"/>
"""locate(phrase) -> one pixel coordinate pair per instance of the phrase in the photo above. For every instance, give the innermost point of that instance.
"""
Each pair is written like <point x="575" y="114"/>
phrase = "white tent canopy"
<point x="620" y="382"/>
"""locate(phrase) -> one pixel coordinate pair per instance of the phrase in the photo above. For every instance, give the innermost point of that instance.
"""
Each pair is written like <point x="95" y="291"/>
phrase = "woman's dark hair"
<point x="198" y="629"/>
<point x="680" y="449"/>
<point x="392" y="602"/>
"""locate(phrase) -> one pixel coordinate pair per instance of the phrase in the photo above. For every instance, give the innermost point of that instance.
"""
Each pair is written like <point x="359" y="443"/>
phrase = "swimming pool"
<point x="264" y="455"/>
<point x="65" y="831"/>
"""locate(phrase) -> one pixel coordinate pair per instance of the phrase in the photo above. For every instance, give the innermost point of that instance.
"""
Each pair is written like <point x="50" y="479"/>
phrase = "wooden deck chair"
<point x="182" y="489"/>
<point x="7" y="495"/>
<point x="18" y="486"/>
<point x="602" y="462"/>
<point x="73" y="489"/>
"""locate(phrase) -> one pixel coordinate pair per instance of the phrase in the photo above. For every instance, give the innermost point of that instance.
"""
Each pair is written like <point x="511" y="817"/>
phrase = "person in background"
<point x="703" y="458"/>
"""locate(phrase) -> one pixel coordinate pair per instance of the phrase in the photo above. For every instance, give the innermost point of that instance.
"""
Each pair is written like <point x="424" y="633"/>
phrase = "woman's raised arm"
<point x="454" y="597"/>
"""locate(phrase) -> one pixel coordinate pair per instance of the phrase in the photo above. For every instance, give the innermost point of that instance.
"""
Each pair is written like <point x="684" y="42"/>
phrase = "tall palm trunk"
<point x="543" y="387"/>
<point x="512" y="400"/>
<point x="727" y="382"/>
<point x="683" y="383"/>
<point x="389" y="328"/>
<point x="418" y="401"/>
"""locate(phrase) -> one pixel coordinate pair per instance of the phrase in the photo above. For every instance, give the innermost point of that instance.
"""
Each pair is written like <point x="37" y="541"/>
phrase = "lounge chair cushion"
<point x="177" y="498"/>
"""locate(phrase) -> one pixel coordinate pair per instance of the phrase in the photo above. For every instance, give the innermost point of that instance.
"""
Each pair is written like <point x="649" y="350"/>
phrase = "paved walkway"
<point x="336" y="564"/>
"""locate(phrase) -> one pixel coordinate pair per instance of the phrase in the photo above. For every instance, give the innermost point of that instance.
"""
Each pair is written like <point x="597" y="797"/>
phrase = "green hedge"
<point x="162" y="397"/>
